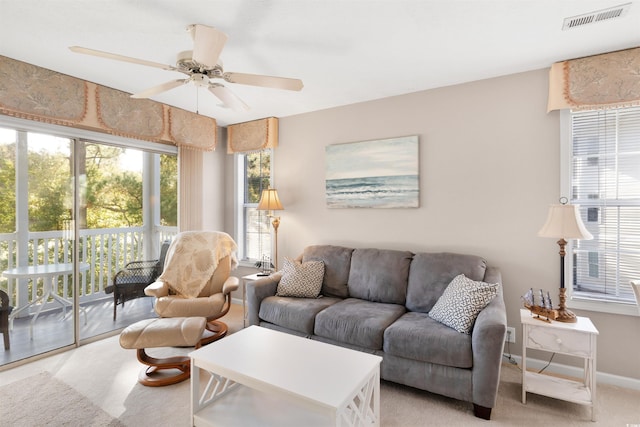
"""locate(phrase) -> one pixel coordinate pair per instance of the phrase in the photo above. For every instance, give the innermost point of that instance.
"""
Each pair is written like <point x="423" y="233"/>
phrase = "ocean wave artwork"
<point x="373" y="174"/>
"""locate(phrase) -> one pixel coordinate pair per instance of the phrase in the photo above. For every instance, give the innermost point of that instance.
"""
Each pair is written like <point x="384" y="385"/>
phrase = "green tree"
<point x="7" y="188"/>
<point x="169" y="190"/>
<point x="113" y="197"/>
<point x="49" y="177"/>
<point x="258" y="166"/>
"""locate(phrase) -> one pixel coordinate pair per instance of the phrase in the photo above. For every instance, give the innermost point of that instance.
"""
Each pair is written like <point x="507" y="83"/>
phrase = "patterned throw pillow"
<point x="461" y="302"/>
<point x="302" y="280"/>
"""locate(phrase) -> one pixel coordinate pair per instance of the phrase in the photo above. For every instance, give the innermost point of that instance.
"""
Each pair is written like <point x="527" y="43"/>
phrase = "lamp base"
<point x="565" y="315"/>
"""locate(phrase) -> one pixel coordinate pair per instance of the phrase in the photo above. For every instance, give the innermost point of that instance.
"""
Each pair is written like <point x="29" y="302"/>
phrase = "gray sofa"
<point x="377" y="301"/>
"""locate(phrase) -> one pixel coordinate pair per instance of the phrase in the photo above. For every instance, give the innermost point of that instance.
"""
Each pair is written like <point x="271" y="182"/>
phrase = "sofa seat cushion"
<point x="357" y="322"/>
<point x="418" y="337"/>
<point x="293" y="313"/>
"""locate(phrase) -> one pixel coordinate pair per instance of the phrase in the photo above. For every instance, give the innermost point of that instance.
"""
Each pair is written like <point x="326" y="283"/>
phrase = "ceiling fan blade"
<point x="160" y="88"/>
<point x="207" y="44"/>
<point x="266" y="81"/>
<point x="87" y="51"/>
<point x="228" y="98"/>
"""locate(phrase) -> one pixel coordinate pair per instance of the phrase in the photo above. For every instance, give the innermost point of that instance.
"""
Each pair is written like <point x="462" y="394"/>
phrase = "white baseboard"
<point x="576" y="372"/>
<point x="236" y="301"/>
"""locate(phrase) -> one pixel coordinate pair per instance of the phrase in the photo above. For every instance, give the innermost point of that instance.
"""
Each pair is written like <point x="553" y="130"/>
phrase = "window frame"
<point x="240" y="206"/>
<point x="578" y="301"/>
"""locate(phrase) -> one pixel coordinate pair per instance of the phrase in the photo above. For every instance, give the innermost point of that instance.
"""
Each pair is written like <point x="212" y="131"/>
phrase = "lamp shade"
<point x="269" y="201"/>
<point x="563" y="222"/>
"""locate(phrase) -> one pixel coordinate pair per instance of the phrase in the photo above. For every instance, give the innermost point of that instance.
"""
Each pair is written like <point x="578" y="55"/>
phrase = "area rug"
<point x="43" y="400"/>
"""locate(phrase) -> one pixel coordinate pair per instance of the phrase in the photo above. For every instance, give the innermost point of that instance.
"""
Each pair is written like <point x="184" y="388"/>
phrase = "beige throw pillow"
<point x="302" y="280"/>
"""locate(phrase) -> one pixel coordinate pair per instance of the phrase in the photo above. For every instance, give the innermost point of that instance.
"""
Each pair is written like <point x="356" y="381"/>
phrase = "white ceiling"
<point x="345" y="51"/>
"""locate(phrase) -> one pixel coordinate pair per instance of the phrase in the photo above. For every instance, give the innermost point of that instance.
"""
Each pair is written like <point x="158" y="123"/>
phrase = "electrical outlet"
<point x="511" y="334"/>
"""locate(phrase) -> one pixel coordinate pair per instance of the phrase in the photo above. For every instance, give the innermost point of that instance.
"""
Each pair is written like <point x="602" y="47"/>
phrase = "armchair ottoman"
<point x="164" y="332"/>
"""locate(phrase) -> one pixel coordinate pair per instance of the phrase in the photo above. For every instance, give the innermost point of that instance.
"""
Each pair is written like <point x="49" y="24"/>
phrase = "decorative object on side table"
<point x="265" y="266"/>
<point x="543" y="311"/>
<point x="564" y="222"/>
<point x="269" y="201"/>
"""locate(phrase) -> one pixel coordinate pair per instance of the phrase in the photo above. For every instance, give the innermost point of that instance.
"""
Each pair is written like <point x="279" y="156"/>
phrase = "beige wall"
<point x="489" y="168"/>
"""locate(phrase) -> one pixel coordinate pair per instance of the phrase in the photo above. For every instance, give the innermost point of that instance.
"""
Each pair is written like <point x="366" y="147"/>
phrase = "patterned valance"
<point x="601" y="81"/>
<point x="252" y="136"/>
<point x="189" y="130"/>
<point x="42" y="95"/>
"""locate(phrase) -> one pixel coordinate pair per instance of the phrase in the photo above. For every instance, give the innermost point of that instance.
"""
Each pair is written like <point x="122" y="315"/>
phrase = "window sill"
<point x="610" y="307"/>
<point x="247" y="263"/>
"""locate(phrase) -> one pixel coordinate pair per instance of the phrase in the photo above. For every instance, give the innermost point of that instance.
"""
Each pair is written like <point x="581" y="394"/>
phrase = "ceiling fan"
<point x="203" y="67"/>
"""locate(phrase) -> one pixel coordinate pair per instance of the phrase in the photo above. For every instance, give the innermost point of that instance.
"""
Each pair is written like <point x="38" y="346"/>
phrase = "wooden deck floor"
<point x="51" y="330"/>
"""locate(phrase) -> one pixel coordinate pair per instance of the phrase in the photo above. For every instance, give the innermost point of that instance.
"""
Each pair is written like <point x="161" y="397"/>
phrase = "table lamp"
<point x="269" y="201"/>
<point x="563" y="222"/>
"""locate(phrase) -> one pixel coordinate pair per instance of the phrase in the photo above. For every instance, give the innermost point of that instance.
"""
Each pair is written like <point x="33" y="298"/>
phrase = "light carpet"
<point x="106" y="375"/>
<point x="42" y="400"/>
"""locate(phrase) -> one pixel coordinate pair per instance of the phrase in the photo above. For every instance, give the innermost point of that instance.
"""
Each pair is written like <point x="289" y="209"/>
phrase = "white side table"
<point x="573" y="339"/>
<point x="246" y="279"/>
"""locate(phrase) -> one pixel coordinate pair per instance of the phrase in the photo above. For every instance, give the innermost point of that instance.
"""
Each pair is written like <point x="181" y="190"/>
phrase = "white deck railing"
<point x="105" y="250"/>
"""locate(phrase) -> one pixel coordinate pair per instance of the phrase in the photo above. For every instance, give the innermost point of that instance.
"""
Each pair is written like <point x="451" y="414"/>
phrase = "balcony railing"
<point x="105" y="251"/>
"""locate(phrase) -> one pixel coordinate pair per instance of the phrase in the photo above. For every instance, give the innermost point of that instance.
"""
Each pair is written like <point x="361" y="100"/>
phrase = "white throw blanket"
<point x="193" y="257"/>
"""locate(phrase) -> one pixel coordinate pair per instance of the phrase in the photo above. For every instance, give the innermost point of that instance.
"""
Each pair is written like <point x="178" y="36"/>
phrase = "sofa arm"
<point x="493" y="275"/>
<point x="487" y="342"/>
<point x="258" y="290"/>
<point x="157" y="289"/>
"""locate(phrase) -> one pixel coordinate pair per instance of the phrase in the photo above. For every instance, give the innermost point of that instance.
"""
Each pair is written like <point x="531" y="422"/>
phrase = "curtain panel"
<point x="608" y="80"/>
<point x="252" y="136"/>
<point x="190" y="189"/>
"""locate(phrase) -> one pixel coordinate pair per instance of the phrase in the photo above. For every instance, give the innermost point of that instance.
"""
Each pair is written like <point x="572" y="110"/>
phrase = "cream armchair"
<point x="196" y="281"/>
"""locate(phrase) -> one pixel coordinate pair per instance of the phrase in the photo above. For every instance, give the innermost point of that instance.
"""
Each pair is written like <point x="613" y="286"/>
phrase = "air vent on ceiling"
<point x="597" y="16"/>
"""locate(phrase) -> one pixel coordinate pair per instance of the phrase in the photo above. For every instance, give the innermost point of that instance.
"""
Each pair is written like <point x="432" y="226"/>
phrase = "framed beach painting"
<point x="373" y="174"/>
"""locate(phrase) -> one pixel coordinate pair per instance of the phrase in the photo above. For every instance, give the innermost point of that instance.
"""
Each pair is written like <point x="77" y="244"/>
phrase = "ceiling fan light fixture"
<point x="201" y="65"/>
<point x="200" y="80"/>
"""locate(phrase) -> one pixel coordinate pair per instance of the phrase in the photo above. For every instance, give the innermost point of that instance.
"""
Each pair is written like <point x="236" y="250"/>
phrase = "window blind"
<point x="605" y="182"/>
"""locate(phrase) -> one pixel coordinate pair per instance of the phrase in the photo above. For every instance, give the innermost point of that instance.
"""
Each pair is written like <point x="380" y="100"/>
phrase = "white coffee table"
<point x="263" y="377"/>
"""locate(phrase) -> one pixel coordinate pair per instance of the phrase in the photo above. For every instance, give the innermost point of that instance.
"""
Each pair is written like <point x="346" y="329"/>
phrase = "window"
<point x="253" y="230"/>
<point x="603" y="158"/>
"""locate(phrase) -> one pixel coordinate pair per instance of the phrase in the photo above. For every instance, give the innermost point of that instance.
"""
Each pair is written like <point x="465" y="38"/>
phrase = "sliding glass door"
<point x="73" y="213"/>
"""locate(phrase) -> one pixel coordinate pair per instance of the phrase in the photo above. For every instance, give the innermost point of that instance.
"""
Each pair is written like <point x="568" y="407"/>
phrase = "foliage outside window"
<point x="605" y="181"/>
<point x="255" y="235"/>
<point x="168" y="190"/>
<point x="112" y="183"/>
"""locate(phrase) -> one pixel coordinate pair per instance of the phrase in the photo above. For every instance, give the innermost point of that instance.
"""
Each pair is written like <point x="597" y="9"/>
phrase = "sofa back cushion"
<point x="379" y="275"/>
<point x="337" y="262"/>
<point x="431" y="273"/>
